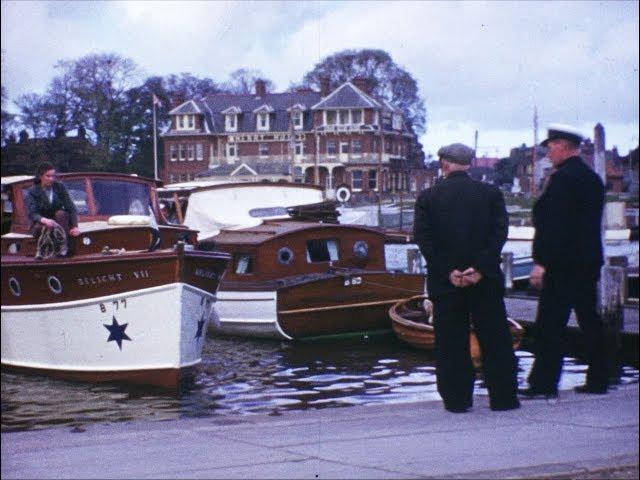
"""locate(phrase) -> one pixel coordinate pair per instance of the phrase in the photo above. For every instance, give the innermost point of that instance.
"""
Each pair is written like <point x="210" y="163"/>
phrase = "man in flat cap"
<point x="461" y="226"/>
<point x="567" y="254"/>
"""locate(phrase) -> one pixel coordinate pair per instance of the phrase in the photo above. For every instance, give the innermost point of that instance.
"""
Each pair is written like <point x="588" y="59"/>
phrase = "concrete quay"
<point x="580" y="437"/>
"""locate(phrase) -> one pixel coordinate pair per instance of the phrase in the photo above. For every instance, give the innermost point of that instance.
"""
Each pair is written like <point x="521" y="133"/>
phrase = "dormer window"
<point x="343" y="117"/>
<point x="356" y="117"/>
<point x="185" y="122"/>
<point x="263" y="121"/>
<point x="397" y="121"/>
<point x="296" y="118"/>
<point x="330" y="118"/>
<point x="231" y="122"/>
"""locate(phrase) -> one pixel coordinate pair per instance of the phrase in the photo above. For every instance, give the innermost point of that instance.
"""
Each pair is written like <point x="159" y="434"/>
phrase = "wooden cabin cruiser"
<point x="132" y="304"/>
<point x="295" y="280"/>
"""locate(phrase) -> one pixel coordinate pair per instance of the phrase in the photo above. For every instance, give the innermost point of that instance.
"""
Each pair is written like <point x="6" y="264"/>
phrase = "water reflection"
<point x="244" y="376"/>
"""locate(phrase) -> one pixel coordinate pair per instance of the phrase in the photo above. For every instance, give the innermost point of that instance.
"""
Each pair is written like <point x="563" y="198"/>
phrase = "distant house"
<point x="345" y="137"/>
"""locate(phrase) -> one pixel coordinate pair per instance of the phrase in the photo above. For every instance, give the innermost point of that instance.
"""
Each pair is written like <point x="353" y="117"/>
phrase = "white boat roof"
<point x="11" y="179"/>
<point x="182" y="186"/>
<point x="245" y="205"/>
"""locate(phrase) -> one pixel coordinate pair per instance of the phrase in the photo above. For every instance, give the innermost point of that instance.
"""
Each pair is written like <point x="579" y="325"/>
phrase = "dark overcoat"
<point x="461" y="223"/>
<point x="38" y="204"/>
<point x="567" y="218"/>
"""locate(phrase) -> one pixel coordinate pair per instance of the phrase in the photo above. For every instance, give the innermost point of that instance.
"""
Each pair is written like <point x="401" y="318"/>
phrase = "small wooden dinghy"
<point x="412" y="322"/>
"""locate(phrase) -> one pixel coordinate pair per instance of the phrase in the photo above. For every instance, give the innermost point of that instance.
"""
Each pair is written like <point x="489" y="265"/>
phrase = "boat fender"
<point x="343" y="194"/>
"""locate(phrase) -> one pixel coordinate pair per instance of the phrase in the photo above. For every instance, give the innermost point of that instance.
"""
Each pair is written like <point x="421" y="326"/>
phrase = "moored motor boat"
<point x="411" y="319"/>
<point x="132" y="305"/>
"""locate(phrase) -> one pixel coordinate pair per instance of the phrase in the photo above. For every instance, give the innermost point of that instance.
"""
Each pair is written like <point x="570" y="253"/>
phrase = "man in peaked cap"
<point x="567" y="254"/>
<point x="461" y="226"/>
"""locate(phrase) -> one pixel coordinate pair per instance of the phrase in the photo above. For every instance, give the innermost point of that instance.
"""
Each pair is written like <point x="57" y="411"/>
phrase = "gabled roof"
<point x="264" y="108"/>
<point x="231" y="110"/>
<point x="187" y="107"/>
<point x="297" y="106"/>
<point x="241" y="167"/>
<point x="347" y="95"/>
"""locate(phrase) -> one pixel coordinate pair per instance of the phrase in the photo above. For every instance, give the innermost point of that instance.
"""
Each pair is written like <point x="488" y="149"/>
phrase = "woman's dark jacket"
<point x="461" y="223"/>
<point x="38" y="204"/>
<point x="567" y="218"/>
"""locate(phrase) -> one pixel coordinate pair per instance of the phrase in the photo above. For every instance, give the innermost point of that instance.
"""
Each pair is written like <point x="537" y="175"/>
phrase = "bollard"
<point x="507" y="270"/>
<point x="612" y="312"/>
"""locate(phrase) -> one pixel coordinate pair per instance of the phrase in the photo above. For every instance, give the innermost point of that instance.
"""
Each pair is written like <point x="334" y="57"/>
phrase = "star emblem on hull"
<point x="116" y="332"/>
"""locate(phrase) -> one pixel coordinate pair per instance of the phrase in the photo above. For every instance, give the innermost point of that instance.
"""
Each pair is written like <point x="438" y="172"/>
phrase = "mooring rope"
<point x="52" y="242"/>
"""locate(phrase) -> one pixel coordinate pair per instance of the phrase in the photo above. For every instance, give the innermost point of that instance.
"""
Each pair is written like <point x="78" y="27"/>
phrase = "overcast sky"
<point x="479" y="65"/>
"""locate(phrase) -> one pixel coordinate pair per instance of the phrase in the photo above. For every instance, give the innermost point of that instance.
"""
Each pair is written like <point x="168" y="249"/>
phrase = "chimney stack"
<point x="362" y="83"/>
<point x="324" y="86"/>
<point x="261" y="89"/>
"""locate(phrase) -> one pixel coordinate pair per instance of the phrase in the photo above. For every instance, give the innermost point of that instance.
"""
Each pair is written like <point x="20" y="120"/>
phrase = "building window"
<point x="344" y="147"/>
<point x="181" y="152"/>
<point x="190" y="121"/>
<point x="263" y="121"/>
<point x="180" y="122"/>
<point x="190" y="152"/>
<point x="231" y="122"/>
<point x="397" y="122"/>
<point x="373" y="180"/>
<point x="264" y="149"/>
<point x="231" y="150"/>
<point x="299" y="148"/>
<point x="296" y="117"/>
<point x="343" y="116"/>
<point x="356" y="180"/>
<point x="356" y="117"/>
<point x="199" y="151"/>
<point x="331" y="117"/>
<point x="173" y="153"/>
<point x="356" y="146"/>
<point x="331" y="147"/>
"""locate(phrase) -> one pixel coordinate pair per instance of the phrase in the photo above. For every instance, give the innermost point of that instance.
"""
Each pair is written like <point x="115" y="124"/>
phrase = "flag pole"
<point x="155" y="141"/>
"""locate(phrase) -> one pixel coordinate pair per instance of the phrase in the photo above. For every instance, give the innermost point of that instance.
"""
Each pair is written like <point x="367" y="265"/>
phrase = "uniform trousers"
<point x="484" y="305"/>
<point x="562" y="291"/>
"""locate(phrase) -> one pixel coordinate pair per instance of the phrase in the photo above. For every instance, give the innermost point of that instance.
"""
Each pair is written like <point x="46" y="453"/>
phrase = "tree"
<point x="386" y="80"/>
<point x="7" y="118"/>
<point x="243" y="80"/>
<point x="504" y="171"/>
<point x="184" y="87"/>
<point x="33" y="113"/>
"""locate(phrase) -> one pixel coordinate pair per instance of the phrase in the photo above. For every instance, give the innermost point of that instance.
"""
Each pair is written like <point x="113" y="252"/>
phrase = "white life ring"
<point x="343" y="194"/>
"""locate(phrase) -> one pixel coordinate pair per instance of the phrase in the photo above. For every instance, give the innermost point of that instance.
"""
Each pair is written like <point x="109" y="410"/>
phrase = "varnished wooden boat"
<point x="131" y="305"/>
<point x="412" y="322"/>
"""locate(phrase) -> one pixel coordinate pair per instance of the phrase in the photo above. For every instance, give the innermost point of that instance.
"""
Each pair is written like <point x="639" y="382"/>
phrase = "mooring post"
<point x="507" y="270"/>
<point x="612" y="312"/>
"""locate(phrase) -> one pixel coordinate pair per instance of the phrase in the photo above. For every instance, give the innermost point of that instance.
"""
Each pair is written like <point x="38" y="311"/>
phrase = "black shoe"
<point x="590" y="389"/>
<point x="507" y="406"/>
<point x="532" y="393"/>
<point x="456" y="409"/>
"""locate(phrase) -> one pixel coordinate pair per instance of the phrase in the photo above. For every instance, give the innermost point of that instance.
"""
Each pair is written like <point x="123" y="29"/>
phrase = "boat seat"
<point x="129" y="220"/>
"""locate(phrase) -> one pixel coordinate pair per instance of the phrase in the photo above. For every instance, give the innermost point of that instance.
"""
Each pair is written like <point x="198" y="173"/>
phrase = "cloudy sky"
<point x="479" y="65"/>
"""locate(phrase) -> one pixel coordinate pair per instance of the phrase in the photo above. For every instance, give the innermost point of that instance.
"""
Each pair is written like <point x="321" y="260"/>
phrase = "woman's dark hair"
<point x="43" y="167"/>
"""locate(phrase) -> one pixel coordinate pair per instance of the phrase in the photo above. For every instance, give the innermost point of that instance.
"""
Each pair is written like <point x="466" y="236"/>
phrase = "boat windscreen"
<point x="121" y="198"/>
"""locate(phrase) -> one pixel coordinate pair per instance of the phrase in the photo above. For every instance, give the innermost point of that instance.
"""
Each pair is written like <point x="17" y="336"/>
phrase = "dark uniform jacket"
<point x="567" y="218"/>
<point x="38" y="204"/>
<point x="461" y="223"/>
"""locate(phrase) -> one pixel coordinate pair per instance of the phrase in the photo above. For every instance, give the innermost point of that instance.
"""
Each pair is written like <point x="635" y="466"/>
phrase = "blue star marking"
<point x="200" y="326"/>
<point x="116" y="332"/>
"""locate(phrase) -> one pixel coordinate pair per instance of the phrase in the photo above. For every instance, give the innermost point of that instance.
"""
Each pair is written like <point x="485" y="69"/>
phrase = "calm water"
<point x="244" y="376"/>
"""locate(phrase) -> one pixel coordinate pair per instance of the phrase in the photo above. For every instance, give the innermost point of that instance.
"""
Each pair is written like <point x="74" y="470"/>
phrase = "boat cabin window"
<point x="121" y="198"/>
<point x="78" y="195"/>
<point x="243" y="263"/>
<point x="322" y="250"/>
<point x="7" y="211"/>
<point x="285" y="256"/>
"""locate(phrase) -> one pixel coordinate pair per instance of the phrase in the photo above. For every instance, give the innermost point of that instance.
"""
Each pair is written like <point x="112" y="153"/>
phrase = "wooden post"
<point x="612" y="313"/>
<point x="507" y="269"/>
<point x="414" y="261"/>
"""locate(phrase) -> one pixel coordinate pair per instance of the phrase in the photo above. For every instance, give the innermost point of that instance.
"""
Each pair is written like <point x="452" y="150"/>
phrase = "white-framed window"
<point x="343" y="117"/>
<point x="373" y="179"/>
<point x="180" y="122"/>
<point x="331" y="147"/>
<point x="356" y="117"/>
<point x="190" y="152"/>
<point x="263" y="149"/>
<point x="356" y="180"/>
<point x="181" y="152"/>
<point x="299" y="148"/>
<point x="330" y="117"/>
<point x="344" y="147"/>
<point x="173" y="153"/>
<point x="199" y="151"/>
<point x="231" y="122"/>
<point x="232" y="150"/>
<point x="263" y="121"/>
<point x="190" y="122"/>
<point x="356" y="147"/>
<point x="397" y="121"/>
<point x="296" y="118"/>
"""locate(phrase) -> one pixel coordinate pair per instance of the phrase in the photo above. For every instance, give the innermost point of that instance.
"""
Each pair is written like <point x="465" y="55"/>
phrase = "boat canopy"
<point x="244" y="205"/>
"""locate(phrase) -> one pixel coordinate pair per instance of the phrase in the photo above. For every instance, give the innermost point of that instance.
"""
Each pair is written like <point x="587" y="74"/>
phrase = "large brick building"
<point x="344" y="137"/>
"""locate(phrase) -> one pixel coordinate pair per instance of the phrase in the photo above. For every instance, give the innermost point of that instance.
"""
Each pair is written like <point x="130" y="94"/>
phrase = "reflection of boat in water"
<point x="412" y="323"/>
<point x="131" y="305"/>
<point x="294" y="279"/>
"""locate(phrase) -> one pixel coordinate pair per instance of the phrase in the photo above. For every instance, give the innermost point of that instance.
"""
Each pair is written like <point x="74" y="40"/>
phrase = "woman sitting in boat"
<point x="49" y="206"/>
